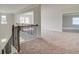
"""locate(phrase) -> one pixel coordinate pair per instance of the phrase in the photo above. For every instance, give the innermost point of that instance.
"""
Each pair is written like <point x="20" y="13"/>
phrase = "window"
<point x="3" y="19"/>
<point x="75" y="21"/>
<point x="24" y="20"/>
<point x="21" y="19"/>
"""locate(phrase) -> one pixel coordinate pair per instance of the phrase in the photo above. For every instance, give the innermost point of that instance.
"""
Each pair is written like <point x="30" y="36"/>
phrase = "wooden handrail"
<point x="16" y="39"/>
<point x="17" y="30"/>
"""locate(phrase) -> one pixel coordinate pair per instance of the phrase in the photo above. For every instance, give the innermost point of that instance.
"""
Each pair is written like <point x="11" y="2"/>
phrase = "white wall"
<point x="5" y="29"/>
<point x="51" y="15"/>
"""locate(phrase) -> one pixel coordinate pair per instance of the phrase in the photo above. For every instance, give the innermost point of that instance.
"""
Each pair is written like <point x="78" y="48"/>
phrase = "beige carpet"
<point x="52" y="42"/>
<point x="38" y="46"/>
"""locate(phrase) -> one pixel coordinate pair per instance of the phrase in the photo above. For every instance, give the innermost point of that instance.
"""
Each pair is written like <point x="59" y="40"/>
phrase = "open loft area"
<point x="39" y="28"/>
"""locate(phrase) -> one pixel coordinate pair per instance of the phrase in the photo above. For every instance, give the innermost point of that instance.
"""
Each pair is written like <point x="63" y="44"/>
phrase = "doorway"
<point x="70" y="22"/>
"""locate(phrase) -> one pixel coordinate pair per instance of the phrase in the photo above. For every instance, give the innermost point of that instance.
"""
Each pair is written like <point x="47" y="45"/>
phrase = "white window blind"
<point x="27" y="20"/>
<point x="75" y="21"/>
<point x="21" y="19"/>
<point x="3" y="19"/>
<point x="24" y="20"/>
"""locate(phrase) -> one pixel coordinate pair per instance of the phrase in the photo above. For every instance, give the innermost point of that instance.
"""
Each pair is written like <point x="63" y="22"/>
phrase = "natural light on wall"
<point x="75" y="21"/>
<point x="3" y="19"/>
<point x="3" y="40"/>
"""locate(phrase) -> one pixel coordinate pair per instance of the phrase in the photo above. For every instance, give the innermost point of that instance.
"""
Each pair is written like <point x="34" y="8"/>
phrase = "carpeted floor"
<point x="38" y="46"/>
<point x="52" y="42"/>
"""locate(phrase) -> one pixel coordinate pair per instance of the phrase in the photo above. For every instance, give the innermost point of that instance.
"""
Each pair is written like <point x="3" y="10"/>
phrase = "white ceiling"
<point x="71" y="14"/>
<point x="12" y="8"/>
<point x="27" y="13"/>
